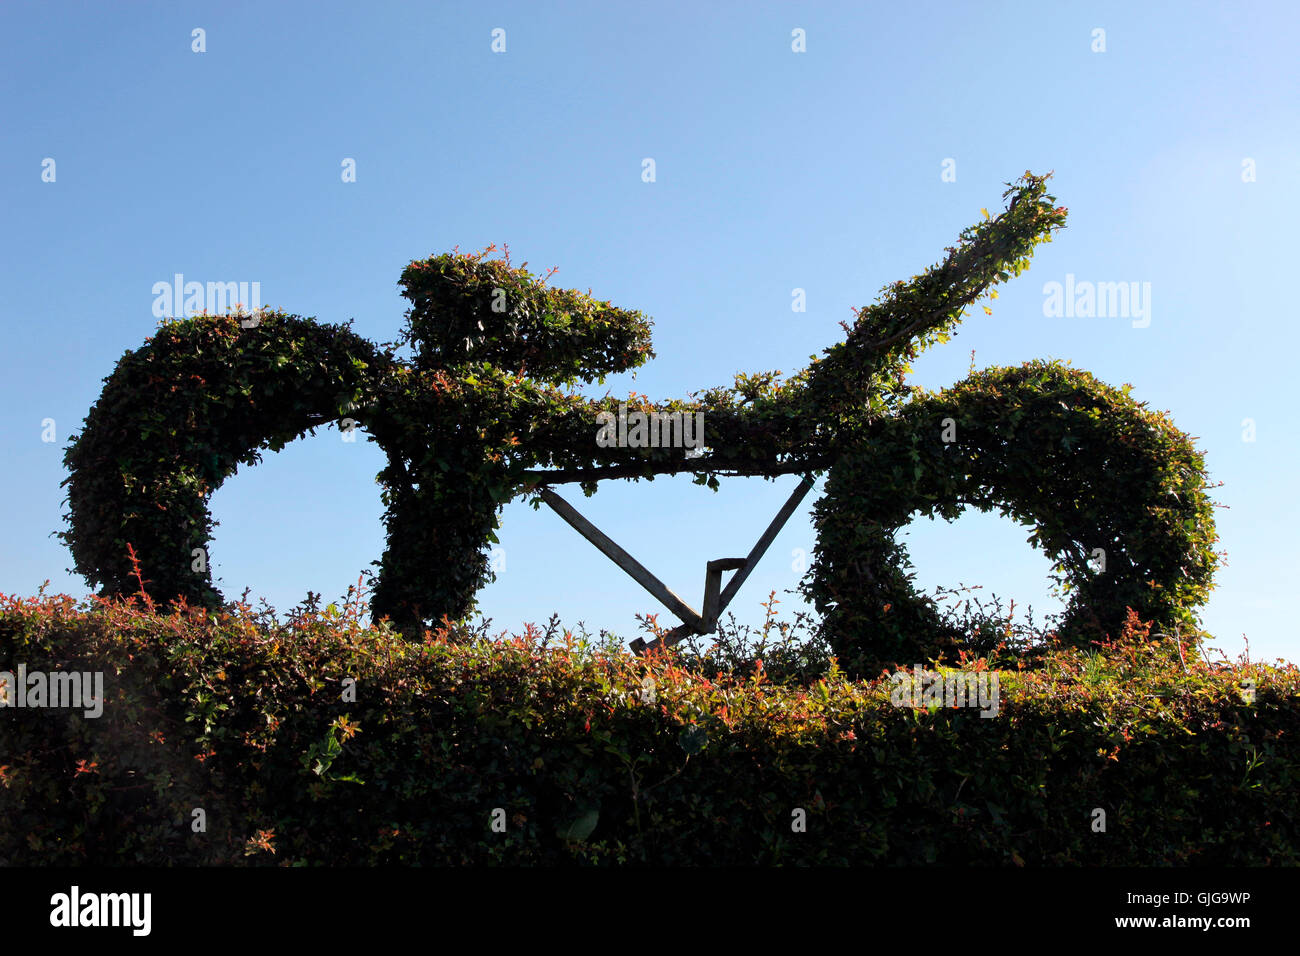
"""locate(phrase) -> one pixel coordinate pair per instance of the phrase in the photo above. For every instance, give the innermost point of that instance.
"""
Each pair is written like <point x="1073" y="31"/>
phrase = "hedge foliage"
<point x="590" y="756"/>
<point x="177" y="417"/>
<point x="486" y="410"/>
<point x="1111" y="490"/>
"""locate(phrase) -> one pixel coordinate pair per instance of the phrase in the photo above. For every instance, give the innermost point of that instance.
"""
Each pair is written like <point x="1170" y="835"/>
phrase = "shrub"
<point x="1112" y="491"/>
<point x="591" y="756"/>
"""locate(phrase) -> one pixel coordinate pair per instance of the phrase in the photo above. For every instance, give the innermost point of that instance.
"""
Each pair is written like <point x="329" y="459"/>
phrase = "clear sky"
<point x="1176" y="148"/>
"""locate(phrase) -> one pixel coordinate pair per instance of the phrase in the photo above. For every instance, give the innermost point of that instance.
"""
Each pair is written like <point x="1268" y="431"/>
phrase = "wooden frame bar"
<point x="637" y="571"/>
<point x="716" y="598"/>
<point x="764" y="542"/>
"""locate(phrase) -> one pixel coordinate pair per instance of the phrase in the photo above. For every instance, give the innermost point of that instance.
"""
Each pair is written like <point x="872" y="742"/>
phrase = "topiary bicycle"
<point x="485" y="411"/>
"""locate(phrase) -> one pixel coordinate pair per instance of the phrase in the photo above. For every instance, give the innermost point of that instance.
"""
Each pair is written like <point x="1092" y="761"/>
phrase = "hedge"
<point x="485" y="411"/>
<point x="582" y="754"/>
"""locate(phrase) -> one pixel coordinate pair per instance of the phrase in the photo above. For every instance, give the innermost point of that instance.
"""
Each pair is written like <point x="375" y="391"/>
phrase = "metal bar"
<point x="679" y="633"/>
<point x="709" y="463"/>
<point x="769" y="536"/>
<point x="634" y="568"/>
<point x="639" y="646"/>
<point x="712" y="585"/>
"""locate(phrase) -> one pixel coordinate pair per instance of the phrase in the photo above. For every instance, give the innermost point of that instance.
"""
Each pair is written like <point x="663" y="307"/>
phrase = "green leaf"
<point x="693" y="740"/>
<point x="577" y="830"/>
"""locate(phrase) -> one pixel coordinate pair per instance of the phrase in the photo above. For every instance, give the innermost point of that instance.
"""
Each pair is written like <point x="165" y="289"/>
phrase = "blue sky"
<point x="775" y="170"/>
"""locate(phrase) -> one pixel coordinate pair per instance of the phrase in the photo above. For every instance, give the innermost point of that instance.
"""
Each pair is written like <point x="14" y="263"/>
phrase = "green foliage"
<point x="467" y="310"/>
<point x="179" y="416"/>
<point x="1079" y="462"/>
<point x="243" y="717"/>
<point x="484" y="412"/>
<point x="862" y="378"/>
